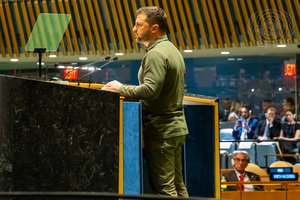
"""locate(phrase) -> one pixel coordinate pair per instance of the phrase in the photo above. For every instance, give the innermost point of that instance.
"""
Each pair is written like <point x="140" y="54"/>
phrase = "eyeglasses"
<point x="240" y="160"/>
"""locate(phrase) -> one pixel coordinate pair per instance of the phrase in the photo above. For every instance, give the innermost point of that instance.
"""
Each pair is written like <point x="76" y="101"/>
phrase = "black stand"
<point x="40" y="51"/>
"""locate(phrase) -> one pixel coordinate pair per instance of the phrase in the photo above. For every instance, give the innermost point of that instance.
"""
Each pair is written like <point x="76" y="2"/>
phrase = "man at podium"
<point x="161" y="90"/>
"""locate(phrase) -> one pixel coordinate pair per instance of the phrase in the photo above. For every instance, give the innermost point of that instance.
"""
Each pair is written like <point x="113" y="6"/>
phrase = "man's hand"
<point x="112" y="86"/>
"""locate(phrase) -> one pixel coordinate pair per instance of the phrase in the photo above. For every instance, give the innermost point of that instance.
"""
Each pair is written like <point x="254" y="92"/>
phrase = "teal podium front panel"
<point x="132" y="147"/>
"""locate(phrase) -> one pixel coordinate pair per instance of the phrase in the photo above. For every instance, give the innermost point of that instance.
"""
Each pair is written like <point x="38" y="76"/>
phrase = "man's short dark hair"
<point x="155" y="15"/>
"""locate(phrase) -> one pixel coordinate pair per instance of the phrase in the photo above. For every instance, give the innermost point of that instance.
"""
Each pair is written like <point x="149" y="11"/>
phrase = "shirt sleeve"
<point x="153" y="77"/>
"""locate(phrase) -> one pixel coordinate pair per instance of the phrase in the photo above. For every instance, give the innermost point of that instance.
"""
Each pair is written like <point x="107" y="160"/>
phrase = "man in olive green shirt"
<point x="161" y="89"/>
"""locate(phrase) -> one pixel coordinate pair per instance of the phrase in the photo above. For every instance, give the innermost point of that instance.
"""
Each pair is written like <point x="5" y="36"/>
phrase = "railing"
<point x="86" y="195"/>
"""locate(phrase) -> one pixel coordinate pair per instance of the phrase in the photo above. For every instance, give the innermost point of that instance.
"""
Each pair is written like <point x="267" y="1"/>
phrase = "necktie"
<point x="241" y="187"/>
<point x="266" y="131"/>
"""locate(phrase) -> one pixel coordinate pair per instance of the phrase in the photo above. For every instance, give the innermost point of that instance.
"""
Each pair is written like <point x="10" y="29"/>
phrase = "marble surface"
<point x="57" y="137"/>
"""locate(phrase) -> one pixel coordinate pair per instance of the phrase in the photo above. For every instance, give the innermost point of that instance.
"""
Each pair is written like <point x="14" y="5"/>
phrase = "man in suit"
<point x="245" y="126"/>
<point x="269" y="128"/>
<point x="239" y="162"/>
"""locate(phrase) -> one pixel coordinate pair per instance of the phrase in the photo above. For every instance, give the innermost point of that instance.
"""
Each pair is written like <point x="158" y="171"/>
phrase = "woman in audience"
<point x="289" y="134"/>
<point x="235" y="111"/>
<point x="288" y="104"/>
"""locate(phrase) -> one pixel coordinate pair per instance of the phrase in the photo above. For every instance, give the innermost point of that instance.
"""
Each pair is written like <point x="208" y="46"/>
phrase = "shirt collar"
<point x="155" y="42"/>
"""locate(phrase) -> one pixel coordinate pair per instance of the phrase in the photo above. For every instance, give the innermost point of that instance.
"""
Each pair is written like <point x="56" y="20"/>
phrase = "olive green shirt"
<point x="161" y="90"/>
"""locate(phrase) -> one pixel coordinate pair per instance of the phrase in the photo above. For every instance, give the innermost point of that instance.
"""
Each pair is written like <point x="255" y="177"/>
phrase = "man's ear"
<point x="232" y="162"/>
<point x="155" y="28"/>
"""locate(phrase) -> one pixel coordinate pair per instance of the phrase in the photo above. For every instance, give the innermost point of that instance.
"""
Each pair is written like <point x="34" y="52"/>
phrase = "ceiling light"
<point x="188" y="51"/>
<point x="52" y="56"/>
<point x="225" y="52"/>
<point x="14" y="60"/>
<point x="239" y="59"/>
<point x="119" y="54"/>
<point x="230" y="59"/>
<point x="82" y="58"/>
<point x="281" y="45"/>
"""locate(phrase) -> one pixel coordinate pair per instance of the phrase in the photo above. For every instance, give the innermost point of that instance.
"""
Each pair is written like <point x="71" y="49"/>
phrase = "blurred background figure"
<point x="288" y="104"/>
<point x="225" y="109"/>
<point x="235" y="110"/>
<point x="266" y="103"/>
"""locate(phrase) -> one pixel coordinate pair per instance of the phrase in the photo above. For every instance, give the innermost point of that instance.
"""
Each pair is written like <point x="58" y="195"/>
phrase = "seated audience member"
<point x="266" y="103"/>
<point x="240" y="162"/>
<point x="289" y="135"/>
<point x="288" y="104"/>
<point x="225" y="109"/>
<point x="268" y="128"/>
<point x="245" y="126"/>
<point x="235" y="111"/>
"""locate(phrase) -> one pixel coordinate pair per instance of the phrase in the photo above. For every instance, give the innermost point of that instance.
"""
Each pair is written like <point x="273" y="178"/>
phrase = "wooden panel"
<point x="240" y="22"/>
<point x="201" y="24"/>
<point x="298" y="8"/>
<point x="46" y="10"/>
<point x="246" y="22"/>
<point x="62" y="43"/>
<point x="293" y="18"/>
<point x="2" y="47"/>
<point x="276" y="195"/>
<point x="131" y="24"/>
<point x="67" y="33"/>
<point x="209" y="24"/>
<point x="26" y="22"/>
<point x="86" y="26"/>
<point x="185" y="26"/>
<point x="80" y="28"/>
<point x="12" y="30"/>
<point x="269" y="21"/>
<point x="111" y="32"/>
<point x="231" y="24"/>
<point x="278" y="28"/>
<point x="287" y="33"/>
<point x="192" y="25"/>
<point x="142" y="2"/>
<point x="31" y="14"/>
<point x="72" y="28"/>
<point x="177" y="24"/>
<point x="19" y="23"/>
<point x="100" y="24"/>
<point x="223" y="23"/>
<point x="253" y="25"/>
<point x="170" y="24"/>
<point x="5" y="30"/>
<point x="265" y="33"/>
<point x="215" y="24"/>
<point x="124" y="29"/>
<point x="41" y="27"/>
<point x="94" y="26"/>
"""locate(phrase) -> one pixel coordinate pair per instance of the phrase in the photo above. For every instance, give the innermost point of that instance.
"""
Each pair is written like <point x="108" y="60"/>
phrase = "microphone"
<point x="98" y="68"/>
<point x="95" y="62"/>
<point x="87" y="65"/>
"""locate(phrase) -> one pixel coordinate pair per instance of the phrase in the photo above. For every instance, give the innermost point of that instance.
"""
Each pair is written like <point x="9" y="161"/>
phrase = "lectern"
<point x="56" y="137"/>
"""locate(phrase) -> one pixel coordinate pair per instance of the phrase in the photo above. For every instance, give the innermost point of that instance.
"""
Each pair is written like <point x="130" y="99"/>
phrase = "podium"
<point x="57" y="137"/>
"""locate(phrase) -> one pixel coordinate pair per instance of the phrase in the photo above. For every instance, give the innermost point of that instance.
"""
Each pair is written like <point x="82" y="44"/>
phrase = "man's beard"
<point x="144" y="38"/>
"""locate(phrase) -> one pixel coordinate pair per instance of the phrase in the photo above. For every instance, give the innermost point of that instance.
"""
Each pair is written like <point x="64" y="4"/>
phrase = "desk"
<point x="266" y="195"/>
<point x="273" y="190"/>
